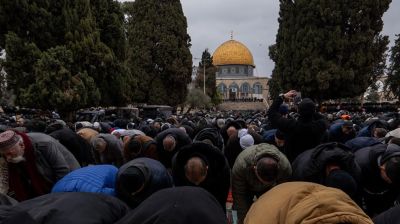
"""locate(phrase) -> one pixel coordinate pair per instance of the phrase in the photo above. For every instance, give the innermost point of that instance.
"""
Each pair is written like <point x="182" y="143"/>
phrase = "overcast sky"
<point x="254" y="23"/>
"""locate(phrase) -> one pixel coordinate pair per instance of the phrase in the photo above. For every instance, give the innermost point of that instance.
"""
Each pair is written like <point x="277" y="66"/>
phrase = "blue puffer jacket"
<point x="96" y="179"/>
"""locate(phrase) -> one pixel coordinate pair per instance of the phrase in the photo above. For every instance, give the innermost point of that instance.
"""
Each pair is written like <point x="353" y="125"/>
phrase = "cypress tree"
<point x="20" y="59"/>
<point x="393" y="80"/>
<point x="33" y="27"/>
<point x="210" y="84"/>
<point x="159" y="55"/>
<point x="110" y="23"/>
<point x="329" y="49"/>
<point x="94" y="57"/>
<point x="56" y="86"/>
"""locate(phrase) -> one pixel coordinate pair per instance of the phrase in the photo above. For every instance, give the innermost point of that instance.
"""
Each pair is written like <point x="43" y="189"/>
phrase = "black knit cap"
<point x="307" y="107"/>
<point x="279" y="134"/>
<point x="342" y="180"/>
<point x="131" y="180"/>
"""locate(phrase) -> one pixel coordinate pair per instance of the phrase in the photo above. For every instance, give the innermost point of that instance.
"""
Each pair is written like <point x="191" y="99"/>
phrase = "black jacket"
<point x="377" y="194"/>
<point x="179" y="205"/>
<point x="301" y="134"/>
<point x="217" y="181"/>
<point x="181" y="139"/>
<point x="310" y="165"/>
<point x="211" y="134"/>
<point x="155" y="175"/>
<point x="390" y="216"/>
<point x="80" y="148"/>
<point x="70" y="207"/>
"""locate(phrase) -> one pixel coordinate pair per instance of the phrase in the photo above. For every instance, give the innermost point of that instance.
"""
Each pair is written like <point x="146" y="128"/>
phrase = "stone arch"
<point x="257" y="88"/>
<point x="221" y="88"/>
<point x="245" y="89"/>
<point x="233" y="91"/>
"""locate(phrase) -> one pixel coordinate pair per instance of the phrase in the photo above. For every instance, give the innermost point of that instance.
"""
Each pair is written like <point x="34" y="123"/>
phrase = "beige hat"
<point x="8" y="139"/>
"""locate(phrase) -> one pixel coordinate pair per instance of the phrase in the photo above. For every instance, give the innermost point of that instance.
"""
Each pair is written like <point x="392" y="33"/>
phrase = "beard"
<point x="17" y="159"/>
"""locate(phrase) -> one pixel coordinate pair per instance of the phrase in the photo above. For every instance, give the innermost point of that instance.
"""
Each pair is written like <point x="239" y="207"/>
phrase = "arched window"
<point x="257" y="88"/>
<point x="221" y="88"/>
<point x="233" y="91"/>
<point x="245" y="88"/>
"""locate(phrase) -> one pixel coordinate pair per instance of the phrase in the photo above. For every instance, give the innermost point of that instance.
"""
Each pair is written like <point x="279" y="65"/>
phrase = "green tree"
<point x="21" y="56"/>
<point x="158" y="52"/>
<point x="29" y="28"/>
<point x="210" y="84"/>
<point x="3" y="87"/>
<point x="27" y="19"/>
<point x="197" y="99"/>
<point x="393" y="80"/>
<point x="328" y="49"/>
<point x="110" y="22"/>
<point x="56" y="85"/>
<point x="94" y="57"/>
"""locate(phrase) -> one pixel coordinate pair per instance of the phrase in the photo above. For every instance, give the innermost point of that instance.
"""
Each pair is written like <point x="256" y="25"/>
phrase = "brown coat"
<point x="305" y="203"/>
<point x="148" y="149"/>
<point x="87" y="133"/>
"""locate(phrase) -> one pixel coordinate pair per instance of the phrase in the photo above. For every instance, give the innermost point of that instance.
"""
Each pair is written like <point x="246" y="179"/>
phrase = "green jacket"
<point x="245" y="184"/>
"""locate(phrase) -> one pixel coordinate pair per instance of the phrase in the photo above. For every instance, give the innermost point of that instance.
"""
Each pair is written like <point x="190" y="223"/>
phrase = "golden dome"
<point x="232" y="52"/>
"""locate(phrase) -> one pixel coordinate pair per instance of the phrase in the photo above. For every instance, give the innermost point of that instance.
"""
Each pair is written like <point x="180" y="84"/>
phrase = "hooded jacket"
<point x="179" y="205"/>
<point x="80" y="148"/>
<point x="181" y="139"/>
<point x="337" y="135"/>
<point x="367" y="130"/>
<point x="217" y="181"/>
<point x="361" y="142"/>
<point x="311" y="164"/>
<point x="302" y="134"/>
<point x="377" y="193"/>
<point x="211" y="134"/>
<point x="308" y="203"/>
<point x="156" y="177"/>
<point x="245" y="184"/>
<point x="66" y="208"/>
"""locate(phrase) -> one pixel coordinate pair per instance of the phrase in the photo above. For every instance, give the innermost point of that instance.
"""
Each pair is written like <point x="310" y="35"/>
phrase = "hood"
<point x="176" y="206"/>
<point x="307" y="108"/>
<point x="308" y="203"/>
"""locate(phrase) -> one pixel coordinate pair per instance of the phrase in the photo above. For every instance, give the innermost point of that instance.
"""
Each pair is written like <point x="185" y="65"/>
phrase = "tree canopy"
<point x="210" y="70"/>
<point x="158" y="52"/>
<point x="84" y="39"/>
<point x="393" y="80"/>
<point x="328" y="49"/>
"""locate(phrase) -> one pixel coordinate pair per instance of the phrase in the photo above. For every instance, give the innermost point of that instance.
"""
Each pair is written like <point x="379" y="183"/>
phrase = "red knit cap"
<point x="8" y="139"/>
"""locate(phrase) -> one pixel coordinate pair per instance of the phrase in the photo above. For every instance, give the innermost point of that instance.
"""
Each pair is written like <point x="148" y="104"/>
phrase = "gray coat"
<point x="53" y="160"/>
<point x="113" y="153"/>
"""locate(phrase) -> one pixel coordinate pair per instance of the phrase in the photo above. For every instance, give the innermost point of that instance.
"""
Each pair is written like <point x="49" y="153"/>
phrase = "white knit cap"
<point x="242" y="132"/>
<point x="246" y="141"/>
